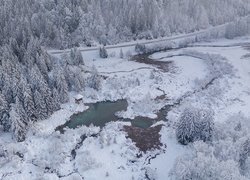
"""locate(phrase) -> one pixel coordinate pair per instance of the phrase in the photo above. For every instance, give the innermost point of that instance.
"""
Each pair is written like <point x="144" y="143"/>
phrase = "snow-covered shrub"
<point x="233" y="137"/>
<point x="217" y="65"/>
<point x="237" y="28"/>
<point x="112" y="54"/>
<point x="244" y="155"/>
<point x="155" y="47"/>
<point x="94" y="80"/>
<point x="85" y="161"/>
<point x="203" y="165"/>
<point x="117" y="88"/>
<point x="103" y="52"/>
<point x="140" y="48"/>
<point x="183" y="43"/>
<point x="152" y="74"/>
<point x="150" y="173"/>
<point x="226" y="157"/>
<point x="128" y="54"/>
<point x="19" y="122"/>
<point x="121" y="55"/>
<point x="144" y="106"/>
<point x="3" y="155"/>
<point x="75" y="57"/>
<point x="156" y="76"/>
<point x="195" y="124"/>
<point x="105" y="139"/>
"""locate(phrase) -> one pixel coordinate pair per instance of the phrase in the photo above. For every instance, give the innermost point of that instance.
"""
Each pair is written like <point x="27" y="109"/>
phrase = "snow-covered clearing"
<point x="92" y="153"/>
<point x="237" y="96"/>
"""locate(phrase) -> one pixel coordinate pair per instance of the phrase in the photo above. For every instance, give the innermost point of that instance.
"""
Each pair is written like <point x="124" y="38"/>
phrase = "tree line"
<point x="33" y="84"/>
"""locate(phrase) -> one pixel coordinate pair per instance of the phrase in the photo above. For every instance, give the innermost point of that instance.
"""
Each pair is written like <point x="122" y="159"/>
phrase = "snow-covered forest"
<point x="68" y="23"/>
<point x="46" y="59"/>
<point x="30" y="91"/>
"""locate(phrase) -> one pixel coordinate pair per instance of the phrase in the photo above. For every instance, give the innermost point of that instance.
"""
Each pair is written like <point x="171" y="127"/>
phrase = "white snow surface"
<point x="107" y="153"/>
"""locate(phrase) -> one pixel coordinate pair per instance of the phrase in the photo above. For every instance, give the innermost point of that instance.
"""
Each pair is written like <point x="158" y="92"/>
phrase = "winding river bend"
<point x="99" y="114"/>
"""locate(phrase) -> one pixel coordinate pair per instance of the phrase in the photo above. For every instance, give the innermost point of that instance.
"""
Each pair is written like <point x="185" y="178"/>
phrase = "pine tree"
<point x="17" y="125"/>
<point x="140" y="48"/>
<point x="19" y="121"/>
<point x="28" y="104"/>
<point x="244" y="155"/>
<point x="46" y="94"/>
<point x="121" y="54"/>
<point x="193" y="125"/>
<point x="76" y="83"/>
<point x="72" y="57"/>
<point x="41" y="64"/>
<point x="78" y="58"/>
<point x="56" y="99"/>
<point x="7" y="90"/>
<point x="40" y="106"/>
<point x="103" y="52"/>
<point x="62" y="87"/>
<point x="94" y="80"/>
<point x="4" y="114"/>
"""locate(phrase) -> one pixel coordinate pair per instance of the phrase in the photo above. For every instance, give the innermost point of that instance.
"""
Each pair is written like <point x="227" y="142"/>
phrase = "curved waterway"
<point x="100" y="113"/>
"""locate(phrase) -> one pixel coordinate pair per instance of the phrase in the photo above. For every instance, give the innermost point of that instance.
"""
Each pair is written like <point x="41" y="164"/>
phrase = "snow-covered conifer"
<point x="121" y="54"/>
<point x="94" y="81"/>
<point x="195" y="124"/>
<point x="40" y="106"/>
<point x="62" y="87"/>
<point x="28" y="104"/>
<point x="103" y="52"/>
<point x="4" y="114"/>
<point x="19" y="121"/>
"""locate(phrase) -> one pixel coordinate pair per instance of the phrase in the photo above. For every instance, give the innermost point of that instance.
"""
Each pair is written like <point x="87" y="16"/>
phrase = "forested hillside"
<point x="68" y="23"/>
<point x="29" y="88"/>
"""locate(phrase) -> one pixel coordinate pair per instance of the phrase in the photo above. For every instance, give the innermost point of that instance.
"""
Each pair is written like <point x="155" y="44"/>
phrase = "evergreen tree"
<point x="28" y="104"/>
<point x="140" y="48"/>
<point x="103" y="52"/>
<point x="62" y="87"/>
<point x="46" y="94"/>
<point x="121" y="54"/>
<point x="78" y="58"/>
<point x="19" y="121"/>
<point x="195" y="124"/>
<point x="94" y="80"/>
<point x="56" y="99"/>
<point x="40" y="106"/>
<point x="4" y="114"/>
<point x="244" y="155"/>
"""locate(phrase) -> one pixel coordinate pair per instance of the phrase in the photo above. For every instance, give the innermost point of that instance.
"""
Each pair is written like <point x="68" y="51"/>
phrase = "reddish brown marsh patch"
<point x="145" y="139"/>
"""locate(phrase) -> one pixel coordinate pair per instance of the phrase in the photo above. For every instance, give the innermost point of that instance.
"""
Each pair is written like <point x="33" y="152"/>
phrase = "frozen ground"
<point x="237" y="95"/>
<point x="94" y="153"/>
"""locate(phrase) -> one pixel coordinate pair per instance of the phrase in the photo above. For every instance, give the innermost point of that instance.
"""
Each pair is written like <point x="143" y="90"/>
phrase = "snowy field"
<point x="93" y="153"/>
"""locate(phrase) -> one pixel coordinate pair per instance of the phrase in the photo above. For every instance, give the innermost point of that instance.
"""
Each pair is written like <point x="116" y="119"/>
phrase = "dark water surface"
<point x="101" y="113"/>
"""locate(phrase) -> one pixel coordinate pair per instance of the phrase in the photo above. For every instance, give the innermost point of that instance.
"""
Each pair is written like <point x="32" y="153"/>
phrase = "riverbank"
<point x="200" y="78"/>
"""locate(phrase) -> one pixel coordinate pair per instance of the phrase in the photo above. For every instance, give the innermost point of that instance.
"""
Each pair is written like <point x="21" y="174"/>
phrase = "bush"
<point x="195" y="124"/>
<point x="203" y="165"/>
<point x="103" y="52"/>
<point x="140" y="48"/>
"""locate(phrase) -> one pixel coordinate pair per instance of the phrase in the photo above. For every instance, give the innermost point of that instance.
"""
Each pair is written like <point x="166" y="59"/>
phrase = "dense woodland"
<point x="29" y="88"/>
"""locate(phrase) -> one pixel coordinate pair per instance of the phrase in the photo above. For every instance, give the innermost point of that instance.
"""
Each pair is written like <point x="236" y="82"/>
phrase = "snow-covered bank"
<point x="48" y="126"/>
<point x="213" y="77"/>
<point x="236" y="97"/>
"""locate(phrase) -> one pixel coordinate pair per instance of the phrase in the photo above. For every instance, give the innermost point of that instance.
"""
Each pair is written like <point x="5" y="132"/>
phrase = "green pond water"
<point x="99" y="114"/>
